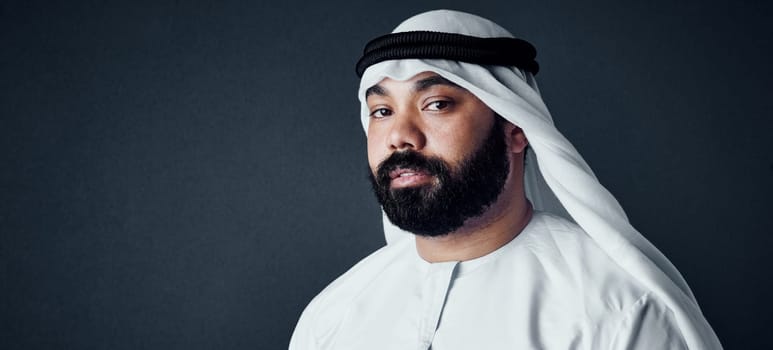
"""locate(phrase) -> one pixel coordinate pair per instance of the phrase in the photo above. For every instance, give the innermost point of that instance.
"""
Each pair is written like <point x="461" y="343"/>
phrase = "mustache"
<point x="409" y="160"/>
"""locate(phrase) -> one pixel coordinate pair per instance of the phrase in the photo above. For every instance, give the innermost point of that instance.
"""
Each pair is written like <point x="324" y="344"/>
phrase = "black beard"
<point x="442" y="206"/>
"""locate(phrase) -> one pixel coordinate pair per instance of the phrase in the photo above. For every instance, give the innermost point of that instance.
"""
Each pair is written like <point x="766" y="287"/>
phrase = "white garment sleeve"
<point x="647" y="324"/>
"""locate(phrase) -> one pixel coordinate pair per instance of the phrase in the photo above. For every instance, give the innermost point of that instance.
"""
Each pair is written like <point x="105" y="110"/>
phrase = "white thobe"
<point x="549" y="288"/>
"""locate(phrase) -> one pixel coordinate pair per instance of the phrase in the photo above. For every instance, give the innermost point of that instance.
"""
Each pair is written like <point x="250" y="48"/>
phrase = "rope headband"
<point x="456" y="47"/>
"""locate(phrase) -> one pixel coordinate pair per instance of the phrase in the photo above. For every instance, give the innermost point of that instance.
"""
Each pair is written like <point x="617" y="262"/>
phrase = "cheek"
<point x="452" y="153"/>
<point x="454" y="144"/>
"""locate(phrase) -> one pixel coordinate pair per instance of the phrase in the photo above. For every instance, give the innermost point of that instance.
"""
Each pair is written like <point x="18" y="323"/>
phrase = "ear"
<point x="516" y="139"/>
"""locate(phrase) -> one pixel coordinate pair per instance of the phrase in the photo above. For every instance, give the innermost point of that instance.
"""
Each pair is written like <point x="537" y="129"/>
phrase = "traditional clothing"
<point x="596" y="284"/>
<point x="551" y="287"/>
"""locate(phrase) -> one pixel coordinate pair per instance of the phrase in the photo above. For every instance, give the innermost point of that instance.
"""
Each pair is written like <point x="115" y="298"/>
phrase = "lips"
<point x="400" y="172"/>
<point x="405" y="177"/>
<point x="407" y="169"/>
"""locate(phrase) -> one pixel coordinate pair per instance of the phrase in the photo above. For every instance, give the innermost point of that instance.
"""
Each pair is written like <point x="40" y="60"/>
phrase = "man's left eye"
<point x="438" y="105"/>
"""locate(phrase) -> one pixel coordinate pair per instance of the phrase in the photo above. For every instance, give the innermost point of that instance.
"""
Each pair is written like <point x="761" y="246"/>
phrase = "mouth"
<point x="408" y="177"/>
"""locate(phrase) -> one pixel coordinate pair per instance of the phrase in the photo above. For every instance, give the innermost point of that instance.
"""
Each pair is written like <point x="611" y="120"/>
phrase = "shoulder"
<point x="610" y="302"/>
<point x="323" y="314"/>
<point x="570" y="255"/>
<point x="619" y="310"/>
<point x="646" y="324"/>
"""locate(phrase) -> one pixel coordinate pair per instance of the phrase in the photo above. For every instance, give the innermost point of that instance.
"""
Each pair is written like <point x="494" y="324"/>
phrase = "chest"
<point x="485" y="310"/>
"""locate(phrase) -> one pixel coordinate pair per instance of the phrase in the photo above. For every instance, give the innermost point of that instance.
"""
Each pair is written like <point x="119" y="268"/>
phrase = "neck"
<point x="479" y="236"/>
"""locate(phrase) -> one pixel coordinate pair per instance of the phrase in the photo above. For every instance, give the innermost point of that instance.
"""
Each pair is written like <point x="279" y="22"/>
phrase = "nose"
<point x="406" y="132"/>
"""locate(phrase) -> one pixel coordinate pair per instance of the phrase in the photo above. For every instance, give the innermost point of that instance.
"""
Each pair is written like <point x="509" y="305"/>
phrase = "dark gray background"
<point x="188" y="175"/>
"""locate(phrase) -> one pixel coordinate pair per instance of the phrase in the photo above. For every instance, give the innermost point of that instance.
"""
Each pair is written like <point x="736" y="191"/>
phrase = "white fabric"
<point x="551" y="287"/>
<point x="366" y="304"/>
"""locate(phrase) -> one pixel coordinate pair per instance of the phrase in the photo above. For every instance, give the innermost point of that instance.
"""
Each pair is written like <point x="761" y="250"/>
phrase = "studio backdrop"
<point x="188" y="175"/>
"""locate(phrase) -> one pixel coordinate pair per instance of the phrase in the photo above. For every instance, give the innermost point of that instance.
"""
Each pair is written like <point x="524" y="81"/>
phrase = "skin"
<point x="430" y="115"/>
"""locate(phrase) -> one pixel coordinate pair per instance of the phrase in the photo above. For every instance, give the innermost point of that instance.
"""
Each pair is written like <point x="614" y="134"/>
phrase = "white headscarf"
<point x="557" y="179"/>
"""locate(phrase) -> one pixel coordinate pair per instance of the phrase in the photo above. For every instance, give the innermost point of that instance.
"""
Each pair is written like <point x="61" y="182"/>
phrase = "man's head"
<point x="437" y="154"/>
<point x="425" y="54"/>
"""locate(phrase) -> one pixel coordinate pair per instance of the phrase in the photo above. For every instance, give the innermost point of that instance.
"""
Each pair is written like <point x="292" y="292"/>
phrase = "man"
<point x="487" y="249"/>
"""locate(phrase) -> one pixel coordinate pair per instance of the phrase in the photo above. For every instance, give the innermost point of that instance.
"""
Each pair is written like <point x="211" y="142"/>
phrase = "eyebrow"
<point x="375" y="90"/>
<point x="429" y="82"/>
<point x="419" y="86"/>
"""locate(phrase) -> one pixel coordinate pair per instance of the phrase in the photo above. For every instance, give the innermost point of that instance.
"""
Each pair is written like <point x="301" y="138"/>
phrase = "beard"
<point x="456" y="194"/>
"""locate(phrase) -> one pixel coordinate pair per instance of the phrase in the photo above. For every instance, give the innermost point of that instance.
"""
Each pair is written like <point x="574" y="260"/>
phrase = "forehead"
<point x="417" y="83"/>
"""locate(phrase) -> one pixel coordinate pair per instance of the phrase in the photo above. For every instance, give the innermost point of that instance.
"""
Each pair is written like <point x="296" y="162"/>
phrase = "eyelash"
<point x="446" y="104"/>
<point x="385" y="112"/>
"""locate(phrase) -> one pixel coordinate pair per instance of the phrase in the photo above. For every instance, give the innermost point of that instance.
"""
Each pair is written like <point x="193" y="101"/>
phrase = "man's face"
<point x="437" y="154"/>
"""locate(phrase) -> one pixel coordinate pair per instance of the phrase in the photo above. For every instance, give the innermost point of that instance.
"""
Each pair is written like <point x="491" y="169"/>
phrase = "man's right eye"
<point x="380" y="113"/>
